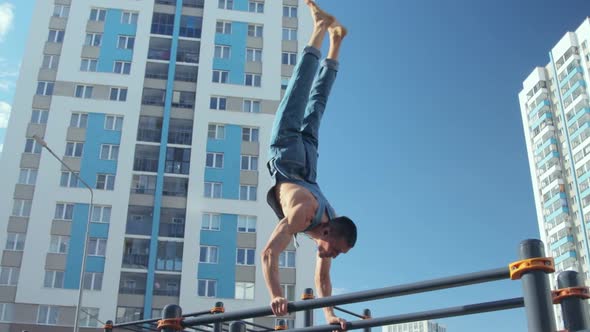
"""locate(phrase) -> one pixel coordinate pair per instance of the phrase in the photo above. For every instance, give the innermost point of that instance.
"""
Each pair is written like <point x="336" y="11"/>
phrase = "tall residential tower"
<point x="164" y="107"/>
<point x="555" y="109"/>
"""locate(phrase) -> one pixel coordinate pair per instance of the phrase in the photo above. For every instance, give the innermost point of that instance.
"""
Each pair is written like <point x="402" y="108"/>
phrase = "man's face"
<point x="332" y="247"/>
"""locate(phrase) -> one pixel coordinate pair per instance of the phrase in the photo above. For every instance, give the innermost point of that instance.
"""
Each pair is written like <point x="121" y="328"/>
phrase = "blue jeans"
<point x="295" y="133"/>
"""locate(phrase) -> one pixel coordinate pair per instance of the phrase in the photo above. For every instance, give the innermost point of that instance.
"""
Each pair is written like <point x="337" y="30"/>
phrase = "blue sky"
<point x="422" y="142"/>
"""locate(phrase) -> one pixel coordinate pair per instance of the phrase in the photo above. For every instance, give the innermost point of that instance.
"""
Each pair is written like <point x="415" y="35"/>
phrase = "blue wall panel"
<point x="225" y="270"/>
<point x="237" y="61"/>
<point x="229" y="175"/>
<point x="109" y="53"/>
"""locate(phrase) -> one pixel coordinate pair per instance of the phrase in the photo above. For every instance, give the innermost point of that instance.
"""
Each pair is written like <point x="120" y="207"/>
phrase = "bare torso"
<point x="292" y="196"/>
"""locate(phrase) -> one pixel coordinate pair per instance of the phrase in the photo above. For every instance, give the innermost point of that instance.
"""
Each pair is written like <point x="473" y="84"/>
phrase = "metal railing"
<point x="532" y="268"/>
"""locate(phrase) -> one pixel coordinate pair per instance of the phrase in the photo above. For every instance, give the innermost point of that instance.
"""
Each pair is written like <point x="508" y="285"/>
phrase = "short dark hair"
<point x="344" y="227"/>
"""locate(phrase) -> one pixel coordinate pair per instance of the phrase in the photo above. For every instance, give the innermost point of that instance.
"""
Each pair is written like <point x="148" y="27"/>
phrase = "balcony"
<point x="545" y="117"/>
<point x="570" y="255"/>
<point x="169" y="256"/>
<point x="552" y="155"/>
<point x="543" y="105"/>
<point x="153" y="97"/>
<point x="551" y="140"/>
<point x="186" y="73"/>
<point x="162" y="24"/>
<point x="579" y="114"/>
<point x="132" y="283"/>
<point x="172" y="230"/>
<point x="190" y="26"/>
<point x="139" y="220"/>
<point x="574" y="87"/>
<point x="577" y="71"/>
<point x="556" y="213"/>
<point x="175" y="186"/>
<point x="567" y="242"/>
<point x="193" y="3"/>
<point x="158" y="71"/>
<point x="143" y="184"/>
<point x="135" y="261"/>
<point x="183" y="99"/>
<point x="188" y="51"/>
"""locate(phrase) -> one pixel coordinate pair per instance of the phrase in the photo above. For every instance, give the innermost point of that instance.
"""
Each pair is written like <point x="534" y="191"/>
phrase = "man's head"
<point x="338" y="236"/>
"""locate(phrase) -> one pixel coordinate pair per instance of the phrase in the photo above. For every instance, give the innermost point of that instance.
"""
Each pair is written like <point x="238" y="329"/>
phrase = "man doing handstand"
<point x="295" y="196"/>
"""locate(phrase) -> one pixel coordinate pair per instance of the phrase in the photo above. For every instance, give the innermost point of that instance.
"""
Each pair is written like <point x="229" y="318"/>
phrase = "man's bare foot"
<point x="337" y="30"/>
<point x="320" y="17"/>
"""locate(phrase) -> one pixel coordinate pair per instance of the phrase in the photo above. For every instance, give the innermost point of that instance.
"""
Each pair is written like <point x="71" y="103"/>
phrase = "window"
<point x="88" y="317"/>
<point x="216" y="131"/>
<point x="245" y="290"/>
<point x="97" y="14"/>
<point x="211" y="222"/>
<point x="225" y="4"/>
<point x="74" y="149"/>
<point x="289" y="58"/>
<point x="64" y="211"/>
<point x="250" y="134"/>
<point x="9" y="276"/>
<point x="214" y="160"/>
<point x="251" y="106"/>
<point x="249" y="163"/>
<point x="55" y="36"/>
<point x="122" y="67"/>
<point x="105" y="181"/>
<point x="109" y="152"/>
<point x="50" y="62"/>
<point x="61" y="11"/>
<point x="253" y="80"/>
<point x="69" y="180"/>
<point x="6" y="312"/>
<point x="289" y="34"/>
<point x="84" y="91"/>
<point x="93" y="39"/>
<point x="31" y="146"/>
<point x="129" y="17"/>
<point x="97" y="246"/>
<point x="15" y="241"/>
<point x="118" y="94"/>
<point x="220" y="76"/>
<point x="47" y="315"/>
<point x="45" y="88"/>
<point x="245" y="256"/>
<point x="254" y="30"/>
<point x="54" y="279"/>
<point x="101" y="214"/>
<point x="79" y="120"/>
<point x="207" y="288"/>
<point x="288" y="291"/>
<point x="59" y="244"/>
<point x="126" y="42"/>
<point x="246" y="224"/>
<point x="289" y="11"/>
<point x="88" y="64"/>
<point x="256" y="7"/>
<point x="222" y="52"/>
<point x="213" y="189"/>
<point x="218" y="103"/>
<point x="113" y="122"/>
<point x="284" y="82"/>
<point x="247" y="193"/>
<point x="27" y="176"/>
<point x="223" y="27"/>
<point x="92" y="280"/>
<point x="287" y="259"/>
<point x="208" y="254"/>
<point x="253" y="55"/>
<point x="22" y="207"/>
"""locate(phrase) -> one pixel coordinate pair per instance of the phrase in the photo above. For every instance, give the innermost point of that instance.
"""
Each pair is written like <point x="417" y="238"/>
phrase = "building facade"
<point x="164" y="108"/>
<point x="421" y="326"/>
<point x="556" y="121"/>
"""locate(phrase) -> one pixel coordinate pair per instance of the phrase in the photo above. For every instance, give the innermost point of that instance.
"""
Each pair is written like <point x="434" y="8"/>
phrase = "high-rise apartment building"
<point x="421" y="326"/>
<point x="556" y="120"/>
<point x="164" y="107"/>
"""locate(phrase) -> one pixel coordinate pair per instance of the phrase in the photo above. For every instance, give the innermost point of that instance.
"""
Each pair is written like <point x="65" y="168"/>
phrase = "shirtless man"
<point x="295" y="196"/>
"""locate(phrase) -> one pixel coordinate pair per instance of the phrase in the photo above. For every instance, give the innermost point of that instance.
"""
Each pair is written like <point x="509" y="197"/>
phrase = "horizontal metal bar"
<point x="155" y="320"/>
<point x="367" y="295"/>
<point x="259" y="326"/>
<point x="423" y="315"/>
<point x="349" y="312"/>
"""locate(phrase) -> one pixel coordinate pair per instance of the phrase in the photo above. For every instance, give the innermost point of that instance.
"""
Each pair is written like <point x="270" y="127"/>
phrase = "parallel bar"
<point x="349" y="312"/>
<point x="374" y="294"/>
<point x="574" y="309"/>
<point x="423" y="315"/>
<point x="259" y="326"/>
<point x="367" y="314"/>
<point x="155" y="320"/>
<point x="536" y="290"/>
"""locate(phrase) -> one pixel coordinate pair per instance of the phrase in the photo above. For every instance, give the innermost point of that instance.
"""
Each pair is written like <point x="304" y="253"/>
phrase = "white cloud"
<point x="6" y="18"/>
<point x="4" y="114"/>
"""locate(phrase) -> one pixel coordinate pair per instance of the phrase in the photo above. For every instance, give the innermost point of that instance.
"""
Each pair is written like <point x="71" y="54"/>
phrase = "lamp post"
<point x="77" y="315"/>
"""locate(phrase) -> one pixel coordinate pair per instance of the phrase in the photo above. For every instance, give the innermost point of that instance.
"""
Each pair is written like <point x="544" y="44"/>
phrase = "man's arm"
<point x="323" y="286"/>
<point x="280" y="238"/>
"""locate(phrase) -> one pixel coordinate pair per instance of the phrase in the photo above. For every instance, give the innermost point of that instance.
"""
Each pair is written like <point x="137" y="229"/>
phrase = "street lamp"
<point x="77" y="316"/>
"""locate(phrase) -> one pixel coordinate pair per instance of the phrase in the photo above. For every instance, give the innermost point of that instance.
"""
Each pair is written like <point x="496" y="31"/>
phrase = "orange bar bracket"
<point x="560" y="294"/>
<point x="517" y="269"/>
